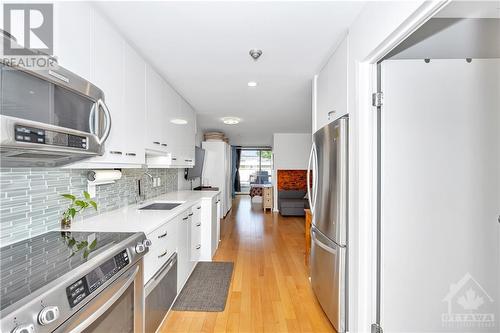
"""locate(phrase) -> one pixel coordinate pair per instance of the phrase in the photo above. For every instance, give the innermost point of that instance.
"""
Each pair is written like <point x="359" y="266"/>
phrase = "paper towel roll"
<point x="99" y="176"/>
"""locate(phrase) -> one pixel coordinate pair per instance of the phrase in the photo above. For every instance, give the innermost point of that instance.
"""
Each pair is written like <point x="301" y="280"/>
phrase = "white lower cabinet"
<point x="165" y="241"/>
<point x="193" y="234"/>
<point x="183" y="257"/>
<point x="195" y="242"/>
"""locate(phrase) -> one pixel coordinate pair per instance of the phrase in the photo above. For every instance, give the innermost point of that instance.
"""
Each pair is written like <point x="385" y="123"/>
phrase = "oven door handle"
<point x="99" y="312"/>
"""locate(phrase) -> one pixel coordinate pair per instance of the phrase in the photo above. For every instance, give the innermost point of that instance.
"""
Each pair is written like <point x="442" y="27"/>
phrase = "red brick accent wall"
<point x="292" y="180"/>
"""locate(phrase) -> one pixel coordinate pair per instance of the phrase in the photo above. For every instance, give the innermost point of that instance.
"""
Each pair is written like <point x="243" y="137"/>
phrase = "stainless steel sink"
<point x="161" y="206"/>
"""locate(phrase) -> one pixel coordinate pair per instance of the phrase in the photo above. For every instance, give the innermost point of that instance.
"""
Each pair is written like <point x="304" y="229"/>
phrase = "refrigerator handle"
<point x="321" y="244"/>
<point x="315" y="175"/>
<point x="308" y="179"/>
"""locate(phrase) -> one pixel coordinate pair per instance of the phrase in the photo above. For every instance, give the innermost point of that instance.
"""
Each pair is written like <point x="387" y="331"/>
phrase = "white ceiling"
<point x="201" y="48"/>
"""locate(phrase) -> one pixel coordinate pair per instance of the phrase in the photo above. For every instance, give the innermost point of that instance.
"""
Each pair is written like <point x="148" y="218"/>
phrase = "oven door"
<point x="118" y="308"/>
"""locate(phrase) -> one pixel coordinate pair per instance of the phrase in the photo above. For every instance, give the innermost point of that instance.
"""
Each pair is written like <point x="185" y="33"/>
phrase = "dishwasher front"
<point x="160" y="293"/>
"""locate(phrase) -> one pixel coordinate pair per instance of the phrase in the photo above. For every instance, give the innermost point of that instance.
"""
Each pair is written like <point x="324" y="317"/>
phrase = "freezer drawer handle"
<point x="320" y="244"/>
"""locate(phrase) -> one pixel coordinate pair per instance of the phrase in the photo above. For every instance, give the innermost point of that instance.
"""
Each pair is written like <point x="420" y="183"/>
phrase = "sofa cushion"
<point x="291" y="194"/>
<point x="298" y="203"/>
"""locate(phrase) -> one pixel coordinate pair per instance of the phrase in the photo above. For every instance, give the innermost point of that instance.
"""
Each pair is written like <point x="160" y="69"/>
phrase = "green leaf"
<point x="71" y="242"/>
<point x="85" y="254"/>
<point x="86" y="195"/>
<point x="72" y="212"/>
<point x="93" y="204"/>
<point x="69" y="196"/>
<point x="93" y="244"/>
<point x="80" y="203"/>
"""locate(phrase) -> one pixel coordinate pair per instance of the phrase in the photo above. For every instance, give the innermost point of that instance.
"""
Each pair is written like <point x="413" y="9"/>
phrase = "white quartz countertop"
<point x="131" y="219"/>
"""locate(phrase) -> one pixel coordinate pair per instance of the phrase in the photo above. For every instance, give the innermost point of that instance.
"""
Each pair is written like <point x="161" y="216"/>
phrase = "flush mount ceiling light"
<point x="231" y="120"/>
<point x="255" y="54"/>
<point x="178" y="121"/>
<point x="252" y="84"/>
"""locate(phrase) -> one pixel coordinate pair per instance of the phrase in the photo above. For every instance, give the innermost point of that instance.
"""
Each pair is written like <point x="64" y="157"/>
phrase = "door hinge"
<point x="376" y="328"/>
<point x="377" y="99"/>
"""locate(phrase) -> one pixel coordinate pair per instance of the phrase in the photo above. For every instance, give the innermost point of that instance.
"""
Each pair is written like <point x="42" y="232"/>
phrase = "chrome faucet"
<point x="141" y="192"/>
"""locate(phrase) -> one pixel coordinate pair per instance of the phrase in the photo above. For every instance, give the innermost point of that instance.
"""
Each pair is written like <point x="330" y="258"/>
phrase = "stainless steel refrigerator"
<point x="328" y="164"/>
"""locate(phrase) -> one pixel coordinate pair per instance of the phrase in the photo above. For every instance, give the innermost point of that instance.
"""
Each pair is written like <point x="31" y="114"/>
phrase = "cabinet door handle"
<point x="116" y="152"/>
<point x="164" y="144"/>
<point x="188" y="160"/>
<point x="156" y="142"/>
<point x="190" y="214"/>
<point x="162" y="235"/>
<point x="131" y="154"/>
<point x="174" y="159"/>
<point x="199" y="207"/>
<point x="162" y="255"/>
<point x="330" y="114"/>
<point x="218" y="201"/>
<point x="185" y="218"/>
<point x="198" y="246"/>
<point x="198" y="224"/>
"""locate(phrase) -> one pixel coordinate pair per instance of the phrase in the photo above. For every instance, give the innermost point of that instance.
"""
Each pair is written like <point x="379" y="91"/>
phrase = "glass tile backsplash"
<point x="31" y="202"/>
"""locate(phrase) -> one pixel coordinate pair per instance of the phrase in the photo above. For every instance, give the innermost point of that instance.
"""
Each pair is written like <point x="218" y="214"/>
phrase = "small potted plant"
<point x="76" y="206"/>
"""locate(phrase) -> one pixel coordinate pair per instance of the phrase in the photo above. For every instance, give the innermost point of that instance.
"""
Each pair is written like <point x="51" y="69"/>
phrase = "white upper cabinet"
<point x="156" y="104"/>
<point x="141" y="103"/>
<point x="331" y="88"/>
<point x="73" y="37"/>
<point x="134" y="107"/>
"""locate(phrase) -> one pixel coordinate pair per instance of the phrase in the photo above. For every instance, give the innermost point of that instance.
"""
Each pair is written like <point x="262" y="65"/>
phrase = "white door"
<point x="440" y="182"/>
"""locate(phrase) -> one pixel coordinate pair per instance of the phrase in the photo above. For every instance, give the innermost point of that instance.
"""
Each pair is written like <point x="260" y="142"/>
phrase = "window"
<point x="255" y="168"/>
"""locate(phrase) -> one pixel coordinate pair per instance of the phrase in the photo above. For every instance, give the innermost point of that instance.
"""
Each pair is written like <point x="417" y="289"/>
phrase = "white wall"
<point x="290" y="152"/>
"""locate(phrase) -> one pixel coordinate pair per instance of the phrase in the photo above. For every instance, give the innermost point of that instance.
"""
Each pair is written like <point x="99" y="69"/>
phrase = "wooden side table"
<point x="267" y="197"/>
<point x="308" y="235"/>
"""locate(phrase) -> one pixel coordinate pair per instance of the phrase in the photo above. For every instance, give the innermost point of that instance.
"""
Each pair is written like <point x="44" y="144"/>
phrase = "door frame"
<point x="366" y="313"/>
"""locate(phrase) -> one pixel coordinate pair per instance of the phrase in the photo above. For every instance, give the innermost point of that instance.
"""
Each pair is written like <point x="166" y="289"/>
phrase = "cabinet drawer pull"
<point x="156" y="142"/>
<point x="162" y="235"/>
<point x="116" y="152"/>
<point x="199" y="207"/>
<point x="198" y="224"/>
<point x="217" y="201"/>
<point x="131" y="154"/>
<point x="174" y="159"/>
<point x="331" y="113"/>
<point x="190" y="214"/>
<point x="185" y="218"/>
<point x="162" y="255"/>
<point x="164" y="144"/>
<point x="188" y="160"/>
<point x="198" y="246"/>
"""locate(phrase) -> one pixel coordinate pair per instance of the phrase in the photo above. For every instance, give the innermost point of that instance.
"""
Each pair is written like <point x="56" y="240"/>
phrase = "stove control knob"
<point x="139" y="248"/>
<point x="24" y="328"/>
<point x="147" y="243"/>
<point x="48" y="315"/>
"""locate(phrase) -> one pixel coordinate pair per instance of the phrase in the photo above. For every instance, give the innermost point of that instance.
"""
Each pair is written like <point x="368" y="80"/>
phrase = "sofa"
<point x="292" y="202"/>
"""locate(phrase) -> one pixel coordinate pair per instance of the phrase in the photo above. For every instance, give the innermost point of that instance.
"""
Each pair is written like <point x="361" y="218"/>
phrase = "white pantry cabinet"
<point x="331" y="88"/>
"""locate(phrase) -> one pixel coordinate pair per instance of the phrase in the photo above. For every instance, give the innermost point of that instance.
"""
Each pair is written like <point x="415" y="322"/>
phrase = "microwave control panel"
<point x="47" y="137"/>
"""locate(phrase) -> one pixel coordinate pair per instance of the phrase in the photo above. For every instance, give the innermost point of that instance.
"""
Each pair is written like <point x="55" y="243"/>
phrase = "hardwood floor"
<point x="270" y="289"/>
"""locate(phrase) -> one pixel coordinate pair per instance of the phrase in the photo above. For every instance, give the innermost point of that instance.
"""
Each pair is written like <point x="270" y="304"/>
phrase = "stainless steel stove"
<point x="73" y="281"/>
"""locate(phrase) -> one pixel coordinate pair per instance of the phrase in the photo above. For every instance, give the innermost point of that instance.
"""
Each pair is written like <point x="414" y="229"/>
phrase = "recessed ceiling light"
<point x="252" y="84"/>
<point x="231" y="120"/>
<point x="178" y="121"/>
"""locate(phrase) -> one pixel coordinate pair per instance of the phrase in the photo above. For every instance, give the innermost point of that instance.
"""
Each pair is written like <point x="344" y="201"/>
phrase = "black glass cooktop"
<point x="28" y="265"/>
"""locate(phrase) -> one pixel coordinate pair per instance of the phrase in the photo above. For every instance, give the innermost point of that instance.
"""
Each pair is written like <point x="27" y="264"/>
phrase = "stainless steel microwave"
<point x="49" y="117"/>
